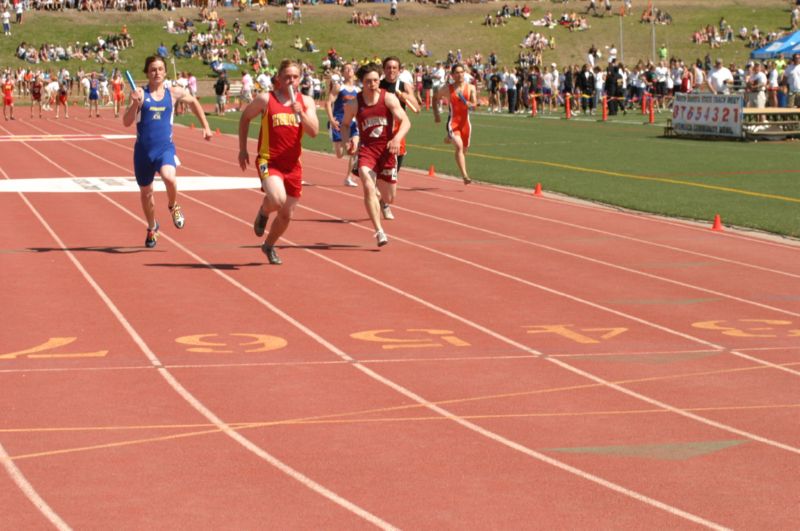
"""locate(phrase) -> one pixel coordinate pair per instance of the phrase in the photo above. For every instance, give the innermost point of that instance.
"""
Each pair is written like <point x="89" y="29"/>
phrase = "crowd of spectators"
<point x="102" y="50"/>
<point x="365" y="19"/>
<point x="225" y="48"/>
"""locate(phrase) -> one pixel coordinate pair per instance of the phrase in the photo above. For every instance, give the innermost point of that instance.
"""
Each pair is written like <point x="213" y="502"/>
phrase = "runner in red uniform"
<point x="8" y="97"/>
<point x="461" y="98"/>
<point x="62" y="99"/>
<point x="37" y="87"/>
<point x="376" y="112"/>
<point x="285" y="115"/>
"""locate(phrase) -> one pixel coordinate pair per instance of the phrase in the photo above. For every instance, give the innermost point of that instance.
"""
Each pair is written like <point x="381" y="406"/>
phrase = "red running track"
<point x="508" y="361"/>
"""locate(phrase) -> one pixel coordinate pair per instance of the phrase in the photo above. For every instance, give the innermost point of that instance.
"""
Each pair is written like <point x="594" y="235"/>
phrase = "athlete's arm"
<point x="134" y="105"/>
<point x="400" y="116"/>
<point x="182" y="96"/>
<point x="350" y="110"/>
<point x="441" y="93"/>
<point x="409" y="97"/>
<point x="310" y="123"/>
<point x="253" y="109"/>
<point x="473" y="97"/>
<point x="333" y="93"/>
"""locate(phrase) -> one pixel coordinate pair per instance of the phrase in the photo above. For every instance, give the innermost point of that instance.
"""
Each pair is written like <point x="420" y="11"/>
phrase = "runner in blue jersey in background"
<point x="341" y="92"/>
<point x="152" y="108"/>
<point x="94" y="95"/>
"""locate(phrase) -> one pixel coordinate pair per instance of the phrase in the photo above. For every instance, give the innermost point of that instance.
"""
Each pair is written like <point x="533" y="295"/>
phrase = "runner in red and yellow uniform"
<point x="8" y="98"/>
<point x="285" y="116"/>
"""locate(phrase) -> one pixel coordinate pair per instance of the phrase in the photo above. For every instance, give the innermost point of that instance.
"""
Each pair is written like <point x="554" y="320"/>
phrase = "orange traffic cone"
<point x="431" y="171"/>
<point x="538" y="190"/>
<point x="717" y="223"/>
<point x="191" y="125"/>
<point x="218" y="131"/>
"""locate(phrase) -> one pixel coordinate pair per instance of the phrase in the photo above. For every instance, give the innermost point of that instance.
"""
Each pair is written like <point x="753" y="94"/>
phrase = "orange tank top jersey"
<point x="279" y="145"/>
<point x="458" y="122"/>
<point x="116" y="86"/>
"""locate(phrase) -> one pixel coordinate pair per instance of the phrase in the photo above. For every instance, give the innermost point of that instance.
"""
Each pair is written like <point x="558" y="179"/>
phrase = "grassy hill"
<point x="443" y="29"/>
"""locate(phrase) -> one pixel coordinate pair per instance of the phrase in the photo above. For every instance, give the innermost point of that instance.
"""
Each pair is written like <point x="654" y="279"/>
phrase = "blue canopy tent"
<point x="787" y="46"/>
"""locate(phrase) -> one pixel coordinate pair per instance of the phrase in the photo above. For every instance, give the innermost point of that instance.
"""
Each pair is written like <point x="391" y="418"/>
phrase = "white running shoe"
<point x="350" y="182"/>
<point x="381" y="238"/>
<point x="387" y="212"/>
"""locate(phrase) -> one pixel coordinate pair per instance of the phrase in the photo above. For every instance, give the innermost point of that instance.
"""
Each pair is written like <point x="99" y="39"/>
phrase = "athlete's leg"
<point x="167" y="172"/>
<point x="460" y="158"/>
<point x="371" y="202"/>
<point x="282" y="220"/>
<point x="148" y="204"/>
<point x="387" y="192"/>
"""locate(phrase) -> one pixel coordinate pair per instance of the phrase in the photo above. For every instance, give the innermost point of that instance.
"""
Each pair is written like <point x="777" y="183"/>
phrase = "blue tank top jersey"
<point x="154" y="124"/>
<point x="345" y="96"/>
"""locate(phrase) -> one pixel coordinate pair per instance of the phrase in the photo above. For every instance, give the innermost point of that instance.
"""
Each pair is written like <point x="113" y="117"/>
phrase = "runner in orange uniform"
<point x="461" y="98"/>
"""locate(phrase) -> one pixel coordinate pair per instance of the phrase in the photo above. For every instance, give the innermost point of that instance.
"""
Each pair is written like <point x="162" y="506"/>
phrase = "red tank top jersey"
<point x="116" y="86"/>
<point x="279" y="144"/>
<point x="375" y="122"/>
<point x="8" y="89"/>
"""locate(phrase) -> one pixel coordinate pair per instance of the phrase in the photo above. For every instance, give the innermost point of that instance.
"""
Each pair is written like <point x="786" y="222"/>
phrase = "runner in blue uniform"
<point x="151" y="108"/>
<point x="94" y="94"/>
<point x="341" y="93"/>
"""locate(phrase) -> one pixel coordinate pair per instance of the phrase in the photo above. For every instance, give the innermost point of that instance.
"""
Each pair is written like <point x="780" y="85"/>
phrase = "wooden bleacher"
<point x="771" y="122"/>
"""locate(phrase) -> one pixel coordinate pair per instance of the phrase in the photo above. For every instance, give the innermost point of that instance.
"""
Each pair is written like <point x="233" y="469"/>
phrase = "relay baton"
<point x="131" y="82"/>
<point x="292" y="97"/>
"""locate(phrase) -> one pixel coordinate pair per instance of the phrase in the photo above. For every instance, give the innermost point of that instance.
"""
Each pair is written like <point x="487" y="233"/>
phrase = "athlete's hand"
<point x="207" y="134"/>
<point x="393" y="146"/>
<point x="351" y="146"/>
<point x="244" y="159"/>
<point x="137" y="96"/>
<point x="335" y="124"/>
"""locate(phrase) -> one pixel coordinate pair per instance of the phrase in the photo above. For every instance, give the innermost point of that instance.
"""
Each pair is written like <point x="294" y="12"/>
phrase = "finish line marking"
<point x="74" y="137"/>
<point x="123" y="184"/>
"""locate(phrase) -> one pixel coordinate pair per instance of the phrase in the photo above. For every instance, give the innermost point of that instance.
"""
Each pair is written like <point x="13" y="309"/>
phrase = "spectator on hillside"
<point x="7" y="25"/>
<point x="162" y="52"/>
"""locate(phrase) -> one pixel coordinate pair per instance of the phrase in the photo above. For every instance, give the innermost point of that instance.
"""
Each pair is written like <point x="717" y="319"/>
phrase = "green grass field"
<point x="622" y="162"/>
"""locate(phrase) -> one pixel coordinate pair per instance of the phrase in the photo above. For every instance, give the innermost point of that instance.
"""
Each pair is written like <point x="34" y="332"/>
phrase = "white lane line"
<point x="641" y="321"/>
<point x="183" y="392"/>
<point x="19" y="478"/>
<point x="613" y="234"/>
<point x="562" y="294"/>
<point x="583" y="257"/>
<point x="121" y="184"/>
<point x="557" y="293"/>
<point x="27" y="489"/>
<point x="439" y="410"/>
<point x="414" y="396"/>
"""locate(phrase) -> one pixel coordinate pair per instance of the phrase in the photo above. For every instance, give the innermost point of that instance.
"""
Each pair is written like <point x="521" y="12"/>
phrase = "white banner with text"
<point x="706" y="114"/>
